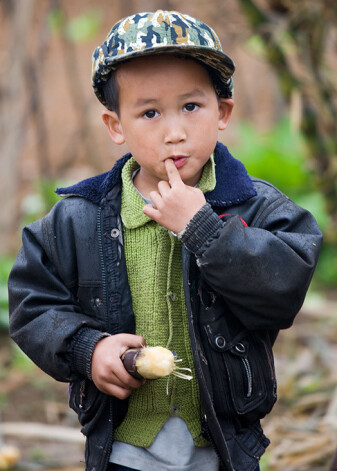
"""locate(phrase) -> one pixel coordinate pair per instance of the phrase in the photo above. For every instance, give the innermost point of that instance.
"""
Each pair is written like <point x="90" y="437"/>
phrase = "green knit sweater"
<point x="154" y="265"/>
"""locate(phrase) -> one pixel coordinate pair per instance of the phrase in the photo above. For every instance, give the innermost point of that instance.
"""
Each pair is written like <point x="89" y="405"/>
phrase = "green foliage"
<point x="56" y="20"/>
<point x="37" y="204"/>
<point x="255" y="45"/>
<point x="326" y="272"/>
<point x="37" y="454"/>
<point x="85" y="26"/>
<point x="264" y="462"/>
<point x="5" y="267"/>
<point x="34" y="206"/>
<point x="315" y="203"/>
<point x="277" y="156"/>
<point x="20" y="361"/>
<point x="280" y="157"/>
<point x="79" y="29"/>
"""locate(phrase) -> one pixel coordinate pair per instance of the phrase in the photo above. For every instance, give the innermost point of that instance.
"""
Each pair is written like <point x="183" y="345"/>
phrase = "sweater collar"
<point x="132" y="202"/>
<point x="233" y="185"/>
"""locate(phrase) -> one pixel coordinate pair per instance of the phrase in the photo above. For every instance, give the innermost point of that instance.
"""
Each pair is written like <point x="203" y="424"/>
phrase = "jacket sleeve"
<point x="262" y="271"/>
<point x="46" y="320"/>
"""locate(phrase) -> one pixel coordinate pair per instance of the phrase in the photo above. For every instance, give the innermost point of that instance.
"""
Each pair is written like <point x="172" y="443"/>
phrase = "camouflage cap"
<point x="162" y="32"/>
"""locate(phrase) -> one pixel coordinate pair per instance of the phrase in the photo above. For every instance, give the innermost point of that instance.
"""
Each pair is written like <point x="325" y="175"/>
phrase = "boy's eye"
<point x="150" y="114"/>
<point x="191" y="107"/>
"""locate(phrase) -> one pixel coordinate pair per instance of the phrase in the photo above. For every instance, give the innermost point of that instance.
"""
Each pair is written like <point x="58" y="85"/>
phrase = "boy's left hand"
<point x="174" y="204"/>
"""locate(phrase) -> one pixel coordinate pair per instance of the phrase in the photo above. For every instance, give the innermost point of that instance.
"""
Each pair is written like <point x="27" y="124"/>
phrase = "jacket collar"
<point x="233" y="183"/>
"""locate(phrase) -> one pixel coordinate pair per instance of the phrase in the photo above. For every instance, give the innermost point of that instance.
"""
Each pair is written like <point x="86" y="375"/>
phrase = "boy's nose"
<point x="174" y="132"/>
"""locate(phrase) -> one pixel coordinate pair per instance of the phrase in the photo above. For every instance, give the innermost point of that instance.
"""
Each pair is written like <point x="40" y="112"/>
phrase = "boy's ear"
<point x="114" y="127"/>
<point x="225" y="112"/>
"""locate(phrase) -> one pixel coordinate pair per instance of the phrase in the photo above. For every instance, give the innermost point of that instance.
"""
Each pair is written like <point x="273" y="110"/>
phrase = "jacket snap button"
<point x="239" y="347"/>
<point x="114" y="233"/>
<point x="220" y="341"/>
<point x="97" y="302"/>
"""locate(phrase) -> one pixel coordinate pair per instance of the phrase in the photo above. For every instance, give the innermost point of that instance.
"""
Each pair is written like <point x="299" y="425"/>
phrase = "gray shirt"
<point x="173" y="449"/>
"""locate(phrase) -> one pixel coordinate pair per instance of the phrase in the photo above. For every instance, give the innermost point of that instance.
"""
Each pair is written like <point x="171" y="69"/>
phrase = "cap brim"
<point x="209" y="56"/>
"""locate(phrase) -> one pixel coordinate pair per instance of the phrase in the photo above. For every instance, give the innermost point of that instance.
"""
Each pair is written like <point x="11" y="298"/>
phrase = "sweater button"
<point x="172" y="297"/>
<point x="174" y="410"/>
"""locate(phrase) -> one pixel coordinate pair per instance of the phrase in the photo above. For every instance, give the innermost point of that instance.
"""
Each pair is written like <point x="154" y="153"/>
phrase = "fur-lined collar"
<point x="233" y="185"/>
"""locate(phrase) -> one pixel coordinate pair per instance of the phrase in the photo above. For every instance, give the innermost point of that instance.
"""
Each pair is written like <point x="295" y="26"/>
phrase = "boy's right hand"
<point x="107" y="370"/>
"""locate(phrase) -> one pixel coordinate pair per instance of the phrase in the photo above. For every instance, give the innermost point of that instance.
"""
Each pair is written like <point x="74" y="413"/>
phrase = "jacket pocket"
<point x="242" y="369"/>
<point x="251" y="376"/>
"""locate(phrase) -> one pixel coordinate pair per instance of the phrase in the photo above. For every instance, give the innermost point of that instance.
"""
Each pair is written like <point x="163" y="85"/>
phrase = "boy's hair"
<point x="110" y="88"/>
<point x="161" y="32"/>
<point x="110" y="93"/>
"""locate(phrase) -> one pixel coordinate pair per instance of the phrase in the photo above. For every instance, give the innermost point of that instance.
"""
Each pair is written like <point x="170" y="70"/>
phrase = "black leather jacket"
<point x="245" y="275"/>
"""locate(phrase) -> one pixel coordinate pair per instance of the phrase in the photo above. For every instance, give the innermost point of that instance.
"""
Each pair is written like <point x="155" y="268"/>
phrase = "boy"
<point x="175" y="246"/>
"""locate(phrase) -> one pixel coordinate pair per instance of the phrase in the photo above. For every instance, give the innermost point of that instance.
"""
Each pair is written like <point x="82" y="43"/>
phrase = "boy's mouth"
<point x="179" y="160"/>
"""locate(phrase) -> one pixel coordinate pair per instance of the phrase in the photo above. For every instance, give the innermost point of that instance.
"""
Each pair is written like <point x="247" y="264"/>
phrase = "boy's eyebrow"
<point x="185" y="96"/>
<point x="146" y="101"/>
<point x="194" y="93"/>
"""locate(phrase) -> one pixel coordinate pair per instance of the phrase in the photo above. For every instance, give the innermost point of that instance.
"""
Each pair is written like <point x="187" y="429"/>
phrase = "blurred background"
<point x="284" y="129"/>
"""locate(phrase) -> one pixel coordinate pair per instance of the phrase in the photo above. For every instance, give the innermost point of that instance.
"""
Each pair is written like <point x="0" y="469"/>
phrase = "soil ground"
<point x="30" y="401"/>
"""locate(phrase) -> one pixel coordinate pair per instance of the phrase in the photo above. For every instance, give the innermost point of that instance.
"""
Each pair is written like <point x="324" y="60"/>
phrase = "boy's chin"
<point x="190" y="180"/>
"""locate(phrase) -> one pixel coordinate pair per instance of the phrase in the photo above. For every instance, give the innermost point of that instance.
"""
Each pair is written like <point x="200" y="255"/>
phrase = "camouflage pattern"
<point x="162" y="32"/>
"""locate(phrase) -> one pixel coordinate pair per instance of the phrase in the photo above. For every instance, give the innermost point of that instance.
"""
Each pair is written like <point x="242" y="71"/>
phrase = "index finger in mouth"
<point x="172" y="171"/>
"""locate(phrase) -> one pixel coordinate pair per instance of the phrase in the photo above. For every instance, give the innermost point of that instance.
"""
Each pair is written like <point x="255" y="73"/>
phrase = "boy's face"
<point x="168" y="110"/>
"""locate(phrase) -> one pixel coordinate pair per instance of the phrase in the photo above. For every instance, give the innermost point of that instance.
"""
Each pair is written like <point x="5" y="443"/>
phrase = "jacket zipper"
<point x="206" y="431"/>
<point x="104" y="290"/>
<point x="248" y="370"/>
<point x="226" y="462"/>
<point x="240" y="348"/>
<point x="101" y="254"/>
